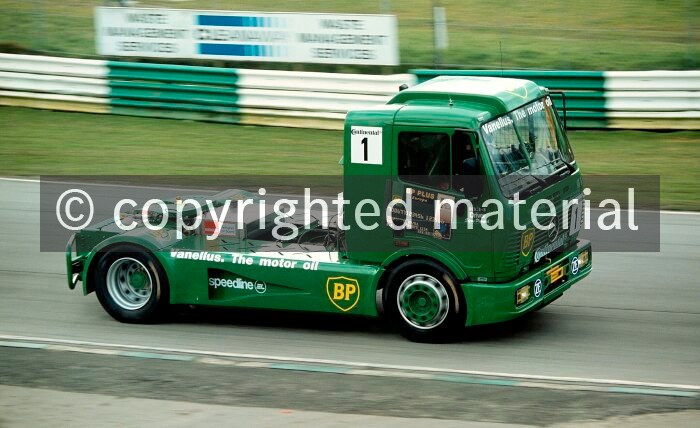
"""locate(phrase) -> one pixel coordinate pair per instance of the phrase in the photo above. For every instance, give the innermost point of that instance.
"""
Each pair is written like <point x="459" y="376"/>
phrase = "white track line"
<point x="23" y="180"/>
<point x="354" y="364"/>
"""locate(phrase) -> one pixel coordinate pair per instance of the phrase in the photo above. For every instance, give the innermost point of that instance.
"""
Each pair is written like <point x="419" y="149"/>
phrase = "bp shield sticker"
<point x="343" y="292"/>
<point x="366" y="144"/>
<point x="574" y="265"/>
<point x="538" y="288"/>
<point x="526" y="241"/>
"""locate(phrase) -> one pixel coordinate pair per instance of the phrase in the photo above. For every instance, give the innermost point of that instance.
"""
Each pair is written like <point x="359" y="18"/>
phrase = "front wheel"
<point x="423" y="300"/>
<point x="131" y="285"/>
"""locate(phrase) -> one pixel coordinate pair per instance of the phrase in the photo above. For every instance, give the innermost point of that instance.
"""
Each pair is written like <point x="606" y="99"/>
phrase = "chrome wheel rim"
<point x="423" y="301"/>
<point x="129" y="283"/>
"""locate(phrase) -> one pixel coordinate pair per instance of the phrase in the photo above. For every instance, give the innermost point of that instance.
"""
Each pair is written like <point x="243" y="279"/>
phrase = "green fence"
<point x="176" y="91"/>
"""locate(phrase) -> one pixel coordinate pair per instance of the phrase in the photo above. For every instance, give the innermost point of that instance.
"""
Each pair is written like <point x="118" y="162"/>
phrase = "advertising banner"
<point x="247" y="36"/>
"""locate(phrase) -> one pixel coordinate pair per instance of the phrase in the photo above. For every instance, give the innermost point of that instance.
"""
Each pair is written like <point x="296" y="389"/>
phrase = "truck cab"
<point x="496" y="144"/>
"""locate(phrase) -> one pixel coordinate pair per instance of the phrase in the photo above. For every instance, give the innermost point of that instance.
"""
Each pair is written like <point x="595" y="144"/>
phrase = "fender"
<point x="153" y="242"/>
<point x="444" y="258"/>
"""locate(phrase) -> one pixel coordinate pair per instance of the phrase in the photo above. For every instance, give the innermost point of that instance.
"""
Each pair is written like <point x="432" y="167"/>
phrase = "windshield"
<point x="527" y="147"/>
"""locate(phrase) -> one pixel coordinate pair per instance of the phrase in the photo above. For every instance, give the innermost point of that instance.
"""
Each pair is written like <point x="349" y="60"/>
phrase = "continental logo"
<point x="343" y="292"/>
<point x="546" y="249"/>
<point x="526" y="241"/>
<point x="355" y="131"/>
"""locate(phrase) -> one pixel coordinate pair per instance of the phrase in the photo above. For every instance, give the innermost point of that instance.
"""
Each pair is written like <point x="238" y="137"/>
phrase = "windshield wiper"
<point x="538" y="184"/>
<point x="572" y="169"/>
<point x="539" y="179"/>
<point x="569" y="167"/>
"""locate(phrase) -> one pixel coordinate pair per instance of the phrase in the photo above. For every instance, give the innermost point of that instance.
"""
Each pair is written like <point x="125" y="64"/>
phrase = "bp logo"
<point x="343" y="292"/>
<point x="526" y="241"/>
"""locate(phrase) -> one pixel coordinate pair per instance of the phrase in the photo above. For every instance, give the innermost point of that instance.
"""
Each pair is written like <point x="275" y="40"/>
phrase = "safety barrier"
<point x="283" y="98"/>
<point x="653" y="99"/>
<point x="613" y="99"/>
<point x="54" y="83"/>
<point x="259" y="97"/>
<point x="632" y="100"/>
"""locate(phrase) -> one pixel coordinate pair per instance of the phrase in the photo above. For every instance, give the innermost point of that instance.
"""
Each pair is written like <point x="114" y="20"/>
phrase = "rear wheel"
<point x="131" y="285"/>
<point x="423" y="300"/>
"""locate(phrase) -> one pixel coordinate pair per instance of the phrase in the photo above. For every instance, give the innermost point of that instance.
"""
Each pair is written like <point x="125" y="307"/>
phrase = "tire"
<point x="131" y="285"/>
<point x="423" y="300"/>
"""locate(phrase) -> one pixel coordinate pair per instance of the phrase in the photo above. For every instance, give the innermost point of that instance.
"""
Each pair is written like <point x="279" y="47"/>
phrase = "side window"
<point x="466" y="169"/>
<point x="464" y="161"/>
<point x="424" y="158"/>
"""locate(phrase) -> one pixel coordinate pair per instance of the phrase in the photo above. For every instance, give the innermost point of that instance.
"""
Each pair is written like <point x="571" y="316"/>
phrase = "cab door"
<point x="434" y="165"/>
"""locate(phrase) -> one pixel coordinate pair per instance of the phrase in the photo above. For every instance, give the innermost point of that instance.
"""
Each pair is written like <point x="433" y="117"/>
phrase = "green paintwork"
<point x="494" y="302"/>
<point x="477" y="94"/>
<point x="247" y="270"/>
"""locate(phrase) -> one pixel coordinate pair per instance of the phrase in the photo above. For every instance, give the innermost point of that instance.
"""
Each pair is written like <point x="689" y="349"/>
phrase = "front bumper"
<point x="490" y="303"/>
<point x="74" y="265"/>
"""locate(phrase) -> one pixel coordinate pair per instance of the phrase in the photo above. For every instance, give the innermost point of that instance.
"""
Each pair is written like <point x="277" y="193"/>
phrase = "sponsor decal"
<point x="239" y="284"/>
<point x="227" y="229"/>
<point x="197" y="255"/>
<point x="366" y="145"/>
<point x="497" y="124"/>
<point x="546" y="249"/>
<point x="526" y="241"/>
<point x="343" y="292"/>
<point x="475" y="215"/>
<point x="357" y="130"/>
<point x="538" y="288"/>
<point x="282" y="263"/>
<point x="574" y="265"/>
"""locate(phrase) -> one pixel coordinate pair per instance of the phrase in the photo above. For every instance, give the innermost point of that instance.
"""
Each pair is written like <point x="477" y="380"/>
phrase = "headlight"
<point x="582" y="259"/>
<point x="522" y="295"/>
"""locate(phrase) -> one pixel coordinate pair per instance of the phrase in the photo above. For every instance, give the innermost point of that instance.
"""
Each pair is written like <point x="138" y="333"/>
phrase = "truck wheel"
<point x="131" y="285"/>
<point x="423" y="300"/>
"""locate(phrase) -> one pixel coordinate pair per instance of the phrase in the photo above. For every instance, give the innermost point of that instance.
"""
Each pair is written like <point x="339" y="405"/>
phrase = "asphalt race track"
<point x="635" y="319"/>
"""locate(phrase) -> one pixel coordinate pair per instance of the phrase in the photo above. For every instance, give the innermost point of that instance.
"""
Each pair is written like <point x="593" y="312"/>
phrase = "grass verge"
<point x="35" y="142"/>
<point x="559" y="34"/>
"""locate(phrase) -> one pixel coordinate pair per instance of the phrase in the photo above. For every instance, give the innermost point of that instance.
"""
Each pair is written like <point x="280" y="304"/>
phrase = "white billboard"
<point x="247" y="36"/>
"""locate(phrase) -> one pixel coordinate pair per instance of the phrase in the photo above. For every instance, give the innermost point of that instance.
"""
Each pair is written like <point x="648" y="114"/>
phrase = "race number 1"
<point x="366" y="145"/>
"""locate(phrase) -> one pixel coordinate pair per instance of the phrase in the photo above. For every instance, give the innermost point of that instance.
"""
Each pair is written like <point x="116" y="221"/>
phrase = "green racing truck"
<point x="483" y="201"/>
